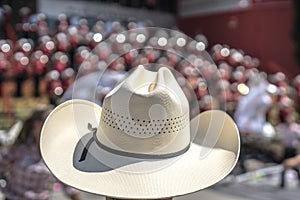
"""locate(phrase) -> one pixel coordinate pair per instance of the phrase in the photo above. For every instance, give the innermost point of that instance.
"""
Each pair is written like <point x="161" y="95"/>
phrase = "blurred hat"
<point x="9" y="137"/>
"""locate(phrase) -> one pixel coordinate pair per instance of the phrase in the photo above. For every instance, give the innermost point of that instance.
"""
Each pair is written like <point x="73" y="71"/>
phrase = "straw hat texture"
<point x="141" y="144"/>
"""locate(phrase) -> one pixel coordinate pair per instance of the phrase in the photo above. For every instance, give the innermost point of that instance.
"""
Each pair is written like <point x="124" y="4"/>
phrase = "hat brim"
<point x="212" y="155"/>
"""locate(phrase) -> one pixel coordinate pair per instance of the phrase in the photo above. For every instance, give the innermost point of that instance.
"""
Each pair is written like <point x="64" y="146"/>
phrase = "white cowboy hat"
<point x="141" y="143"/>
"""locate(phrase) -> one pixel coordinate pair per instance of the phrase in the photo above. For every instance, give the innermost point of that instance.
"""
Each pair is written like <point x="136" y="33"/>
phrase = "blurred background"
<point x="254" y="44"/>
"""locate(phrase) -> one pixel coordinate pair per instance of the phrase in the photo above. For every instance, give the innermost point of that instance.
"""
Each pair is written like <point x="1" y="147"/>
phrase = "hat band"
<point x="124" y="153"/>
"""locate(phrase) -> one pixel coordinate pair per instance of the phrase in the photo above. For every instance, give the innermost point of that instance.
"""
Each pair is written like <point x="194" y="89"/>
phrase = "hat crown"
<point x="147" y="113"/>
